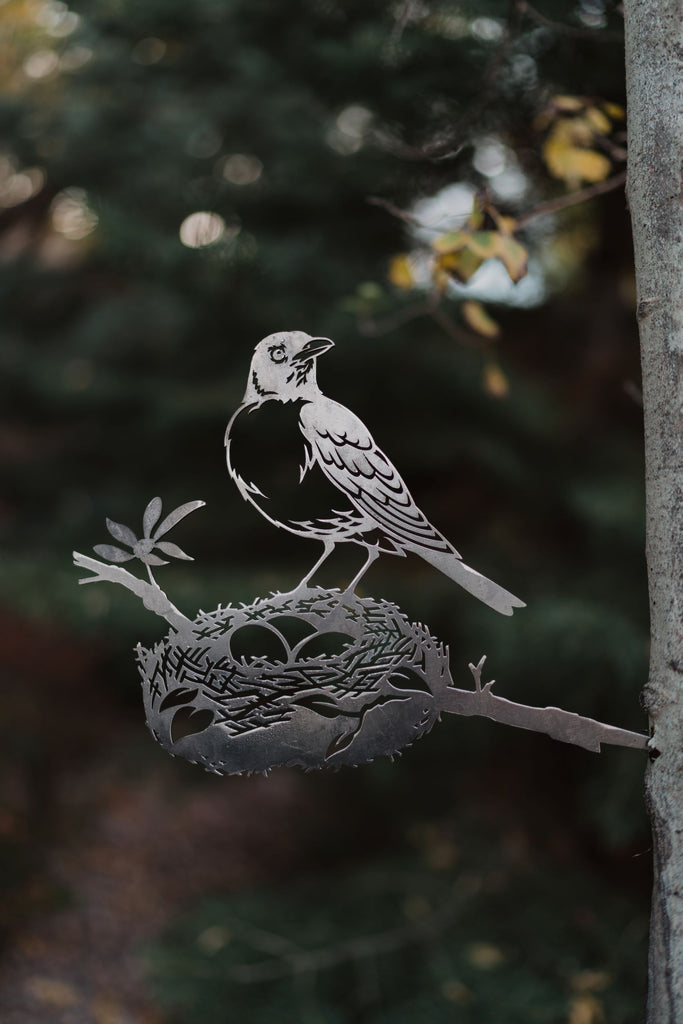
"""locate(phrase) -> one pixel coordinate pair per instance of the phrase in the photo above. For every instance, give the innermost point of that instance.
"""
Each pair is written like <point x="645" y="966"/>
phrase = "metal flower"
<point x="143" y="548"/>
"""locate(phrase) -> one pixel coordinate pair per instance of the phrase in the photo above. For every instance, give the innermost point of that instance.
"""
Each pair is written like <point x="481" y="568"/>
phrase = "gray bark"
<point x="654" y="72"/>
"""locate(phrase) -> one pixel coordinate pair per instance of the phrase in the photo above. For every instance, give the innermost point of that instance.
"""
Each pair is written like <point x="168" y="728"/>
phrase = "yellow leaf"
<point x="476" y="217"/>
<point x="108" y="1011"/>
<point x="401" y="274"/>
<point x="590" y="166"/>
<point x="493" y="245"/>
<point x="568" y="104"/>
<point x="460" y="265"/>
<point x="513" y="256"/>
<point x="484" y="244"/>
<point x="614" y="110"/>
<point x="479" y="320"/>
<point x="573" y="131"/>
<point x="60" y="995"/>
<point x="452" y="241"/>
<point x="495" y="382"/>
<point x="506" y="225"/>
<point x="456" y="992"/>
<point x="212" y="939"/>
<point x="440" y="276"/>
<point x="485" y="956"/>
<point x="555" y="155"/>
<point x="586" y="1009"/>
<point x="591" y="981"/>
<point x="467" y="265"/>
<point x="542" y="120"/>
<point x="566" y="158"/>
<point x="598" y="121"/>
<point x="441" y="855"/>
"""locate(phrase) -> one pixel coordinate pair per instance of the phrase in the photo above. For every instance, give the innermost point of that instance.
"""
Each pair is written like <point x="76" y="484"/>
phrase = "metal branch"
<point x="153" y="597"/>
<point x="566" y="726"/>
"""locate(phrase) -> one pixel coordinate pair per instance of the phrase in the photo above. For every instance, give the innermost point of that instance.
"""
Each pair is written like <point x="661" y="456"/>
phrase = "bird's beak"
<point x="314" y="347"/>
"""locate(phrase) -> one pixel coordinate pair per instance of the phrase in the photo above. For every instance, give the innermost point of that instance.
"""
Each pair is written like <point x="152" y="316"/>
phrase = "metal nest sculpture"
<point x="312" y="677"/>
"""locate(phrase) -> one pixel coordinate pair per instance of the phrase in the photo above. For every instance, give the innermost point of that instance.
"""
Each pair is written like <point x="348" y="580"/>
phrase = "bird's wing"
<point x="343" y="447"/>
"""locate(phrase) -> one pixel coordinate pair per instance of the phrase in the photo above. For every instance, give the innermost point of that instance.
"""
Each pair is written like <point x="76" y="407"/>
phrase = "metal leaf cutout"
<point x="112" y="553"/>
<point x="151" y="516"/>
<point x="121" y="532"/>
<point x="150" y="559"/>
<point x="173" y="550"/>
<point x="175" y="516"/>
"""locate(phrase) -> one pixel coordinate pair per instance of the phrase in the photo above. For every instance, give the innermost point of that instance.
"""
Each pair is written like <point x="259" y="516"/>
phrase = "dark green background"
<point x="123" y="357"/>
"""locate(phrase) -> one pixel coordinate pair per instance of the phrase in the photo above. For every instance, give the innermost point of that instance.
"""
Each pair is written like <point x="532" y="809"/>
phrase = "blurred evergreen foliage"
<point x="488" y="939"/>
<point x="124" y="349"/>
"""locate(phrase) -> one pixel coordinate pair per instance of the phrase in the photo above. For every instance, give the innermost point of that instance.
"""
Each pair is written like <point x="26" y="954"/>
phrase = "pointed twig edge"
<point x="565" y="726"/>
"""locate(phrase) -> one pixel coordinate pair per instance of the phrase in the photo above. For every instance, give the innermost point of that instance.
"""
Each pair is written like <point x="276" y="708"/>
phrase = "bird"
<point x="366" y="502"/>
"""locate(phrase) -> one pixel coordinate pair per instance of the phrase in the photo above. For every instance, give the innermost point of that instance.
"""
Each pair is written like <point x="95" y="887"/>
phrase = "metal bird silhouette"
<point x="367" y="503"/>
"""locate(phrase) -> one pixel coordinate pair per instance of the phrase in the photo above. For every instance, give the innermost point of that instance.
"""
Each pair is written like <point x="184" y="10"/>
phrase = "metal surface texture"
<point x="311" y="679"/>
<point x="369" y="503"/>
<point x="314" y="677"/>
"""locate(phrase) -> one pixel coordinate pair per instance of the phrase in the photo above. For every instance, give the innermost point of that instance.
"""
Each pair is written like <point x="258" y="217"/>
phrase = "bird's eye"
<point x="278" y="354"/>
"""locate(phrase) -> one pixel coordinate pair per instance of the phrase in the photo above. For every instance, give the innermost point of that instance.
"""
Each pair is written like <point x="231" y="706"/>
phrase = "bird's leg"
<point x="327" y="551"/>
<point x="373" y="553"/>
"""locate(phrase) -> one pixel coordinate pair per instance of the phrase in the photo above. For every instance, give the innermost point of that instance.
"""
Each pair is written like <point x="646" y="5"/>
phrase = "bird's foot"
<point x="305" y="589"/>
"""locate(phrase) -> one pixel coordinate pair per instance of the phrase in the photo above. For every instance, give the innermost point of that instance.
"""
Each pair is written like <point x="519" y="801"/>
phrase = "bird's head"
<point x="283" y="367"/>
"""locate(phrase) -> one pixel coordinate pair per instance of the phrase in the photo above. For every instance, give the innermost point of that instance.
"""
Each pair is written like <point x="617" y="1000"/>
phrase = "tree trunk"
<point x="654" y="73"/>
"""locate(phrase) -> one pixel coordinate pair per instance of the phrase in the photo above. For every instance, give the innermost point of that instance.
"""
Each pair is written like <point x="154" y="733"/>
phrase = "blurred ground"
<point x="108" y="849"/>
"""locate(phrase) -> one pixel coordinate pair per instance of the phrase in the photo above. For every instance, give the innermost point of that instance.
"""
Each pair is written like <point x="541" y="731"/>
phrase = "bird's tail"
<point x="473" y="582"/>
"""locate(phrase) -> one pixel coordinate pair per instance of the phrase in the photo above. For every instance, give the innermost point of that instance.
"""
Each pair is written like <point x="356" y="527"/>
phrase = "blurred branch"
<point x="372" y="328"/>
<point x="572" y="199"/>
<point x="395" y="211"/>
<point x="551" y="206"/>
<point x="609" y="146"/>
<point x="597" y="34"/>
<point x="405" y="12"/>
<point x="450" y="143"/>
<point x="496" y="62"/>
<point x="446" y="147"/>
<point x="634" y="392"/>
<point x="454" y="331"/>
<point x="375" y="328"/>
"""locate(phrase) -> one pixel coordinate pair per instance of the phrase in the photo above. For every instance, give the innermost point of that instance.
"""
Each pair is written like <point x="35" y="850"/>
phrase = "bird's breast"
<point x="267" y="450"/>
